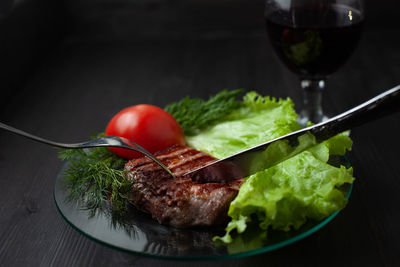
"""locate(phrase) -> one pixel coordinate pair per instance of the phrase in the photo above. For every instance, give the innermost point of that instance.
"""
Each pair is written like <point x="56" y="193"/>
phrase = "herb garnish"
<point x="194" y="114"/>
<point x="95" y="176"/>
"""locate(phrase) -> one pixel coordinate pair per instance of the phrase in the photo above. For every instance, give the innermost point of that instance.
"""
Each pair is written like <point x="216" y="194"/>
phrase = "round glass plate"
<point x="139" y="234"/>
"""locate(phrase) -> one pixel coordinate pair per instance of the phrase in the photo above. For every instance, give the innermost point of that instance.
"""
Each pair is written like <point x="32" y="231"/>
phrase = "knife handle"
<point x="382" y="105"/>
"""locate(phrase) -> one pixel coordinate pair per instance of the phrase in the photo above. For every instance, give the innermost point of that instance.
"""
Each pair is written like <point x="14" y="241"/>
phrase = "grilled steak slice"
<point x="180" y="202"/>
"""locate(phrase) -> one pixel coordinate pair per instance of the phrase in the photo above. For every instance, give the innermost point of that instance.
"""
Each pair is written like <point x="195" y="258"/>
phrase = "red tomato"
<point x="149" y="126"/>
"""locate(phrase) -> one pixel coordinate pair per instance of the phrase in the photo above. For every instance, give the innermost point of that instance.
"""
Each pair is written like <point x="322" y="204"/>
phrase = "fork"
<point x="105" y="141"/>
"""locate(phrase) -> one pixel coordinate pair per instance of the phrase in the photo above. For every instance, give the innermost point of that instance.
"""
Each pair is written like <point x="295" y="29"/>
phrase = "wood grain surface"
<point x="80" y="85"/>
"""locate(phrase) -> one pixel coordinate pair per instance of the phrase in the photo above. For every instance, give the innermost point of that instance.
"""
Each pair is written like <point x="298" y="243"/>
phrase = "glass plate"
<point x="139" y="234"/>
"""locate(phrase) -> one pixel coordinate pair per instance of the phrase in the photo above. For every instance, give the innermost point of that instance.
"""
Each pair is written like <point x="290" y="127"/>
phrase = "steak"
<point x="182" y="201"/>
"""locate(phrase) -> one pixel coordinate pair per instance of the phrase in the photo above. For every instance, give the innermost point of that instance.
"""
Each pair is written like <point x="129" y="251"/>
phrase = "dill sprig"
<point x="194" y="114"/>
<point x="95" y="176"/>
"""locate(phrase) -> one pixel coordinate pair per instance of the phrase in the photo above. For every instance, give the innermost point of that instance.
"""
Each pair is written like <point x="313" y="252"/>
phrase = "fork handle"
<point x="30" y="136"/>
<point x="99" y="142"/>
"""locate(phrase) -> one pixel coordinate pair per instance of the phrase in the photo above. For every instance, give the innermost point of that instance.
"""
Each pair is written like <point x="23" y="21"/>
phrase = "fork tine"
<point x="136" y="147"/>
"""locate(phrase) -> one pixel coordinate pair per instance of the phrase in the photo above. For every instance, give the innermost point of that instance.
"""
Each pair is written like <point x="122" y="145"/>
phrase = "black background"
<point x="67" y="66"/>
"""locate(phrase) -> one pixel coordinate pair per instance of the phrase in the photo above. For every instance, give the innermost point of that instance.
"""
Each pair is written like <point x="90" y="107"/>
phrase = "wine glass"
<point x="314" y="38"/>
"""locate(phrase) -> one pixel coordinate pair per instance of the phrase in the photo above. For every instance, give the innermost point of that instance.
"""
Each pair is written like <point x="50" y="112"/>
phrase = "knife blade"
<point x="254" y="159"/>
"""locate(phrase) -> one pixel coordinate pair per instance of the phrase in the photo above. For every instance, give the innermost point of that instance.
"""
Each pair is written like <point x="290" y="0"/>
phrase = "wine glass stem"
<point x="312" y="100"/>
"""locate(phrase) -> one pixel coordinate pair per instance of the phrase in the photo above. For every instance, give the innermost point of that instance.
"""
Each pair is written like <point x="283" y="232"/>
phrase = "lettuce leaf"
<point x="286" y="195"/>
<point x="260" y="119"/>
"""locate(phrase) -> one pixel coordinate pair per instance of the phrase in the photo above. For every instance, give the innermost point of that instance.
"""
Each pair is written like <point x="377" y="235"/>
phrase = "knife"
<point x="252" y="160"/>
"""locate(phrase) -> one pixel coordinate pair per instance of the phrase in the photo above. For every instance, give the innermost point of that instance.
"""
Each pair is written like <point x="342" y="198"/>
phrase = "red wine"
<point x="314" y="41"/>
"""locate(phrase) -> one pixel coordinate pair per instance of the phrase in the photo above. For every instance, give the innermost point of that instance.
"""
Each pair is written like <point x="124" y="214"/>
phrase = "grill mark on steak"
<point x="181" y="201"/>
<point x="180" y="160"/>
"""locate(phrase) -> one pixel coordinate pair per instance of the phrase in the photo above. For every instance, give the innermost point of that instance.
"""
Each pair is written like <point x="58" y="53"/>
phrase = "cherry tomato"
<point x="149" y="126"/>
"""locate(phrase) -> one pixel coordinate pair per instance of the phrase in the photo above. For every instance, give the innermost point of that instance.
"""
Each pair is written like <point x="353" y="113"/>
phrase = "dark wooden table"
<point x="80" y="85"/>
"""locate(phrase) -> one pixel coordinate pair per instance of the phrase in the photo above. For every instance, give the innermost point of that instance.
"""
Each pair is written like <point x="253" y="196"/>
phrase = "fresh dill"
<point x="95" y="176"/>
<point x="194" y="114"/>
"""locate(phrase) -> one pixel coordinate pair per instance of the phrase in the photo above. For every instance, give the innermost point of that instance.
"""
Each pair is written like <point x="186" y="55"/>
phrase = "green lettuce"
<point x="285" y="196"/>
<point x="258" y="120"/>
